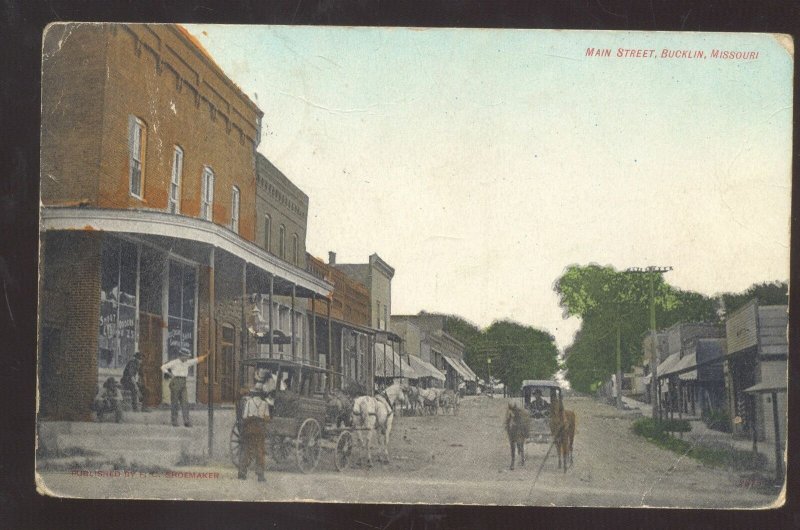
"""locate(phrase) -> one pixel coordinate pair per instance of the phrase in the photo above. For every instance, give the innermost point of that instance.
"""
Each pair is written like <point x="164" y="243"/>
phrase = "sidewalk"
<point x="143" y="439"/>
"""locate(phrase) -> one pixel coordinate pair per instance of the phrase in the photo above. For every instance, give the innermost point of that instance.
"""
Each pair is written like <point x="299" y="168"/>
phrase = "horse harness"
<point x="388" y="403"/>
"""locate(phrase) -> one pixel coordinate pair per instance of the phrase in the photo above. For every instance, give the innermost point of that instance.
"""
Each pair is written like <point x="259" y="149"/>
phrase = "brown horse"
<point x="518" y="428"/>
<point x="562" y="427"/>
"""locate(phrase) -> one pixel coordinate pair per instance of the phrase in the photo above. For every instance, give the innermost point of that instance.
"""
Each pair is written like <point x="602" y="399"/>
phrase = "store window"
<point x="117" y="334"/>
<point x="181" y="310"/>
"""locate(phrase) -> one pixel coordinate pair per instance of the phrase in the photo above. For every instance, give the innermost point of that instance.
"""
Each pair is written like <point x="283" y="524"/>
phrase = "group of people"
<point x="256" y="405"/>
<point x="109" y="400"/>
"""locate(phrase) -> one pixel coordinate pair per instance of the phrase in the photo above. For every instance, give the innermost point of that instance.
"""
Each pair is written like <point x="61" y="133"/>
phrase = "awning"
<point x="394" y="366"/>
<point x="767" y="387"/>
<point x="688" y="376"/>
<point x="667" y="364"/>
<point x="423" y="368"/>
<point x="155" y="223"/>
<point x="472" y="376"/>
<point x="687" y="361"/>
<point x="459" y="368"/>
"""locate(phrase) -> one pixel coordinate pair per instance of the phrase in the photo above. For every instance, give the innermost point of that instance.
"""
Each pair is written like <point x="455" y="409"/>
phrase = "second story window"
<point x="175" y="182"/>
<point x="295" y="250"/>
<point x="235" y="209"/>
<point x="136" y="142"/>
<point x="282" y="242"/>
<point x="207" y="201"/>
<point x="267" y="233"/>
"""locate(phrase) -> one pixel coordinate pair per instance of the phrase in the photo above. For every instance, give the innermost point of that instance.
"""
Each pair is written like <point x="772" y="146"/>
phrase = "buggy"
<point x="537" y="398"/>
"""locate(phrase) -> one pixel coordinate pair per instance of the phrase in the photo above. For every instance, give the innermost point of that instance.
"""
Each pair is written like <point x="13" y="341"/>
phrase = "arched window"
<point x="267" y="233"/>
<point x="282" y="242"/>
<point x="295" y="250"/>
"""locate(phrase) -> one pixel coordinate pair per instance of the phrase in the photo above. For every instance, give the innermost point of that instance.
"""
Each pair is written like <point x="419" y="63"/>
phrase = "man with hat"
<point x="133" y="382"/>
<point x="255" y="414"/>
<point x="539" y="405"/>
<point x="177" y="370"/>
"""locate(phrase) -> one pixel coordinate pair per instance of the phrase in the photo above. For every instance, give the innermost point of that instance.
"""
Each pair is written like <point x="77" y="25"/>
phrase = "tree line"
<point x="614" y="308"/>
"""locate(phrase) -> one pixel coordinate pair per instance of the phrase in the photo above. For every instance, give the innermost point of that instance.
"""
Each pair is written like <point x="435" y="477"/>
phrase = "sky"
<point x="481" y="163"/>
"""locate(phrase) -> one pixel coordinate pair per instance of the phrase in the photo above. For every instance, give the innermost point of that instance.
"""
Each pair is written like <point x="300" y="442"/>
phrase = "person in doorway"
<point x="255" y="414"/>
<point x="177" y="370"/>
<point x="132" y="381"/>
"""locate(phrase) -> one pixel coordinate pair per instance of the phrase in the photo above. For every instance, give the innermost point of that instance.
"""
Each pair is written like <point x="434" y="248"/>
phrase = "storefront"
<point x="116" y="282"/>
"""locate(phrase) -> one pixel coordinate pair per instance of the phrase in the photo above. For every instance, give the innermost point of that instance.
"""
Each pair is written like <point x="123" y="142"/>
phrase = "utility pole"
<point x="654" y="393"/>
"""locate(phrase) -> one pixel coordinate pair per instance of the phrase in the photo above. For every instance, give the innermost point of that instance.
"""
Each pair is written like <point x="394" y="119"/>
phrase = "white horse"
<point x="376" y="413"/>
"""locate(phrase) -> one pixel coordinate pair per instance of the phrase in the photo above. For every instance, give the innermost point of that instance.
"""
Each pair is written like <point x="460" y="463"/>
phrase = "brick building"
<point x="149" y="218"/>
<point x="344" y="338"/>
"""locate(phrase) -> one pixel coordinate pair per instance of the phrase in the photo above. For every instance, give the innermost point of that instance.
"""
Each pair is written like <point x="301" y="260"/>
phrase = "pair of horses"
<point x="562" y="428"/>
<point x="430" y="400"/>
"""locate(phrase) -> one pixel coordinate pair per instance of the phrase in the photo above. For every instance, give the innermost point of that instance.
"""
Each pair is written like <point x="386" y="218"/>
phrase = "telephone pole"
<point x="651" y="274"/>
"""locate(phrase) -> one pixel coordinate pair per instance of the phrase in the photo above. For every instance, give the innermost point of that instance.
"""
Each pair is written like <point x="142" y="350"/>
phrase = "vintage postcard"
<point x="405" y="265"/>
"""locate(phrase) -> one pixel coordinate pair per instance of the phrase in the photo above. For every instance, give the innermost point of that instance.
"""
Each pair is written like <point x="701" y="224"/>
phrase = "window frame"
<point x="282" y="242"/>
<point x="207" y="194"/>
<point x="174" y="201"/>
<point x="267" y="233"/>
<point x="295" y="249"/>
<point x="236" y="201"/>
<point x="136" y="124"/>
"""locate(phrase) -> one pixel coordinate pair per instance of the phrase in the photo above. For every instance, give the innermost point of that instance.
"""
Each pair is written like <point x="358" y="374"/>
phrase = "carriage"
<point x="300" y="426"/>
<point x="537" y="397"/>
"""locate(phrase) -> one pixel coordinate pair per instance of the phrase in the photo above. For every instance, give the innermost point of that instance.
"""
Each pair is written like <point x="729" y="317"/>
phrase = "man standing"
<point x="176" y="371"/>
<point x="132" y="380"/>
<point x="255" y="414"/>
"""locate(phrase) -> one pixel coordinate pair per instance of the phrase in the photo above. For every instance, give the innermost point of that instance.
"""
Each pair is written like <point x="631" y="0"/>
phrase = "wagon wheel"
<point x="308" y="446"/>
<point x="344" y="451"/>
<point x="235" y="444"/>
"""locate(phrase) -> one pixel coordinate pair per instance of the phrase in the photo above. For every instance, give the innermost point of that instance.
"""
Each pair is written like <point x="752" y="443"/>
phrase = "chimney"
<point x="331" y="258"/>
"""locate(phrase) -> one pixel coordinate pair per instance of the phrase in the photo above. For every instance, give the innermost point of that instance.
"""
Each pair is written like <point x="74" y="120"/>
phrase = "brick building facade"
<point x="149" y="237"/>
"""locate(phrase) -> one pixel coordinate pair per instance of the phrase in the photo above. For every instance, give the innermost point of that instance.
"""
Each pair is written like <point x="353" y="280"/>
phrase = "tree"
<point x="520" y="352"/>
<point x="767" y="293"/>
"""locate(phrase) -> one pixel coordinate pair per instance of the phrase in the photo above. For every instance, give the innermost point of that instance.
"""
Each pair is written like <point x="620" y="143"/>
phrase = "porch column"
<point x="329" y="361"/>
<point x="244" y="348"/>
<point x="293" y="330"/>
<point x="211" y="353"/>
<point x="271" y="321"/>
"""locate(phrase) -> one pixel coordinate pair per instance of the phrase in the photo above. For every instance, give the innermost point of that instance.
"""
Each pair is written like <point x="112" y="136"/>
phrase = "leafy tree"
<point x="520" y="352"/>
<point x="767" y="293"/>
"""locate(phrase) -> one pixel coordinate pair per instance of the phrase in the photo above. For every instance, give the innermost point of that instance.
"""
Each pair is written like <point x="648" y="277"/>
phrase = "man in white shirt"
<point x="176" y="371"/>
<point x="255" y="414"/>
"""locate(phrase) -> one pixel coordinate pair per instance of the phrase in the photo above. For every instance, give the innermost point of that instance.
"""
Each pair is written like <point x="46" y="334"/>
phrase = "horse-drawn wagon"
<point x="300" y="423"/>
<point x="537" y="397"/>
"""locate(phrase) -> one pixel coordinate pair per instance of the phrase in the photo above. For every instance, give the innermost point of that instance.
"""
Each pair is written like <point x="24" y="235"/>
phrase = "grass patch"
<point x="658" y="432"/>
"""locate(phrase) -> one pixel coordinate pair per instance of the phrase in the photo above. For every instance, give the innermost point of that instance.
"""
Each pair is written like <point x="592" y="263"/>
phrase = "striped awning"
<point x="460" y="368"/>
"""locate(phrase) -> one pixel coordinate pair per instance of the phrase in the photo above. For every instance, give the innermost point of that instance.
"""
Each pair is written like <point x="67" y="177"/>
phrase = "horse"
<point x="376" y="413"/>
<point x="338" y="408"/>
<point x="518" y="428"/>
<point x="412" y="394"/>
<point x="448" y="401"/>
<point x="562" y="427"/>
<point x="430" y="400"/>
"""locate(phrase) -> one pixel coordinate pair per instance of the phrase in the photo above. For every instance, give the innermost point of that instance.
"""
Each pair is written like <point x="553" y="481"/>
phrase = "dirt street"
<point x="465" y="459"/>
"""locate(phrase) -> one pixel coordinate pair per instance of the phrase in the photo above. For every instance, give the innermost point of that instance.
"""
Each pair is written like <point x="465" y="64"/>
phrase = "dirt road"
<point x="465" y="459"/>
